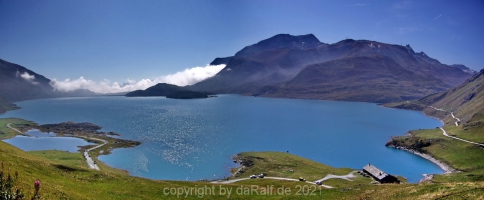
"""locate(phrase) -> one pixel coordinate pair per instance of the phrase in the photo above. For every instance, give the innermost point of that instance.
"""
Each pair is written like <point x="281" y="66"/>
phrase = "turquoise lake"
<point x="195" y="139"/>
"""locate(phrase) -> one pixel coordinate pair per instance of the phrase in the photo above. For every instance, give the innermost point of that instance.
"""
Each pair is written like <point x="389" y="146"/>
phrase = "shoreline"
<point x="447" y="169"/>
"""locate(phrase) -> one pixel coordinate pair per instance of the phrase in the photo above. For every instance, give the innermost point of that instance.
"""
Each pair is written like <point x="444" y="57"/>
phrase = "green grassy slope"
<point x="465" y="100"/>
<point x="63" y="177"/>
<point x="19" y="124"/>
<point x="467" y="103"/>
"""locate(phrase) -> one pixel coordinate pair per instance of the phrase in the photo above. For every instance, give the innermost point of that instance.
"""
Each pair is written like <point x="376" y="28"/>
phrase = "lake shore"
<point x="447" y="169"/>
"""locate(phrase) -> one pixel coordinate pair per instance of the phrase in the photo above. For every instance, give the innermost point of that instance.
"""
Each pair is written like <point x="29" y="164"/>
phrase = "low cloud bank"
<point x="182" y="78"/>
<point x="26" y="76"/>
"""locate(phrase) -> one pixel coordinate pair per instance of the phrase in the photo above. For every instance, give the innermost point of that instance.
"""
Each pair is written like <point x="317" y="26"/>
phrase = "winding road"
<point x="88" y="158"/>
<point x="445" y="133"/>
<point x="451" y="113"/>
<point x="458" y="120"/>
<point x="457" y="124"/>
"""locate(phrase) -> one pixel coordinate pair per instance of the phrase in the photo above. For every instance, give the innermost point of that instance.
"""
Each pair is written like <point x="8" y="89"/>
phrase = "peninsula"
<point x="169" y="91"/>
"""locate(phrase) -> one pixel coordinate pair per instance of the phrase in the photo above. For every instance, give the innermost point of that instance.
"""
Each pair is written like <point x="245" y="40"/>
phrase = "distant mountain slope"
<point x="376" y="79"/>
<point x="466" y="101"/>
<point x="276" y="67"/>
<point x="160" y="89"/>
<point x="18" y="83"/>
<point x="268" y="62"/>
<point x="169" y="91"/>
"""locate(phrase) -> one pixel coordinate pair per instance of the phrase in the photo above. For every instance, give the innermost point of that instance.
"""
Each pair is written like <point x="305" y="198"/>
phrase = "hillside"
<point x="6" y="106"/>
<point x="278" y="66"/>
<point x="462" y="110"/>
<point x="18" y="83"/>
<point x="376" y="79"/>
<point x="465" y="101"/>
<point x="169" y="91"/>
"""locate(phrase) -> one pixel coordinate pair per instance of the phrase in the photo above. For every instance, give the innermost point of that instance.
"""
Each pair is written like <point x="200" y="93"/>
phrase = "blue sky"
<point x="119" y="40"/>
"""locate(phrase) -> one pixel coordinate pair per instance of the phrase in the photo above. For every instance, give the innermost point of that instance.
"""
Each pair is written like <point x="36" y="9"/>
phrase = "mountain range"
<point x="352" y="70"/>
<point x="289" y="66"/>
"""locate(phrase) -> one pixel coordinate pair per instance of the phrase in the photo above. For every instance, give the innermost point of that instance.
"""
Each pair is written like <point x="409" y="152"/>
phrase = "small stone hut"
<point x="379" y="175"/>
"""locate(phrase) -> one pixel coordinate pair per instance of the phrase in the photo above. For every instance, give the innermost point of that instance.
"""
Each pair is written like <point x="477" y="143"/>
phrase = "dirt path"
<point x="445" y="133"/>
<point x="451" y="113"/>
<point x="345" y="177"/>
<point x="458" y="120"/>
<point x="88" y="158"/>
<point x="8" y="125"/>
<point x="267" y="177"/>
<point x="456" y="124"/>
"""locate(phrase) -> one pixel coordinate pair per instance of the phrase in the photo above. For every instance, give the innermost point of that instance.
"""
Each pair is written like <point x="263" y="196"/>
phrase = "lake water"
<point x="37" y="141"/>
<point x="195" y="139"/>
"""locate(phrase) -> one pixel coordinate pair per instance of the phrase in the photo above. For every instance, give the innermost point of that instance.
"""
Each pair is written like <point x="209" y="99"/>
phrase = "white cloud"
<point x="183" y="78"/>
<point x="26" y="76"/>
<point x="191" y="76"/>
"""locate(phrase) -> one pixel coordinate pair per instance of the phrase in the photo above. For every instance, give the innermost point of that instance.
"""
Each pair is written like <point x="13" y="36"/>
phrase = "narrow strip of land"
<point x="88" y="158"/>
<point x="8" y="125"/>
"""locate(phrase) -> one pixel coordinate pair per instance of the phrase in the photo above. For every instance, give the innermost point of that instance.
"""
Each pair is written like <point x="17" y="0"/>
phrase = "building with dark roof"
<point x="379" y="175"/>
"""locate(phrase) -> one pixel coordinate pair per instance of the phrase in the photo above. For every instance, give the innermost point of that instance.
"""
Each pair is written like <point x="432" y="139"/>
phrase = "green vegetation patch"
<point x="465" y="157"/>
<point x="279" y="164"/>
<point x="19" y="124"/>
<point x="63" y="159"/>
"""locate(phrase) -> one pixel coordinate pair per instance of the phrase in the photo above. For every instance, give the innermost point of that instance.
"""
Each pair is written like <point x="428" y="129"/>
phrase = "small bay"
<point x="37" y="141"/>
<point x="194" y="139"/>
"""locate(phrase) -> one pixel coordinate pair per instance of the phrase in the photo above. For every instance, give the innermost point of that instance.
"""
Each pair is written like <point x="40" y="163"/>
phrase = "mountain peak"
<point x="410" y="50"/>
<point x="280" y="41"/>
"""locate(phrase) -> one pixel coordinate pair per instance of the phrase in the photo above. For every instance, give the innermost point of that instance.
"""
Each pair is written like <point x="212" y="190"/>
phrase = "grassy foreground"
<point x="65" y="175"/>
